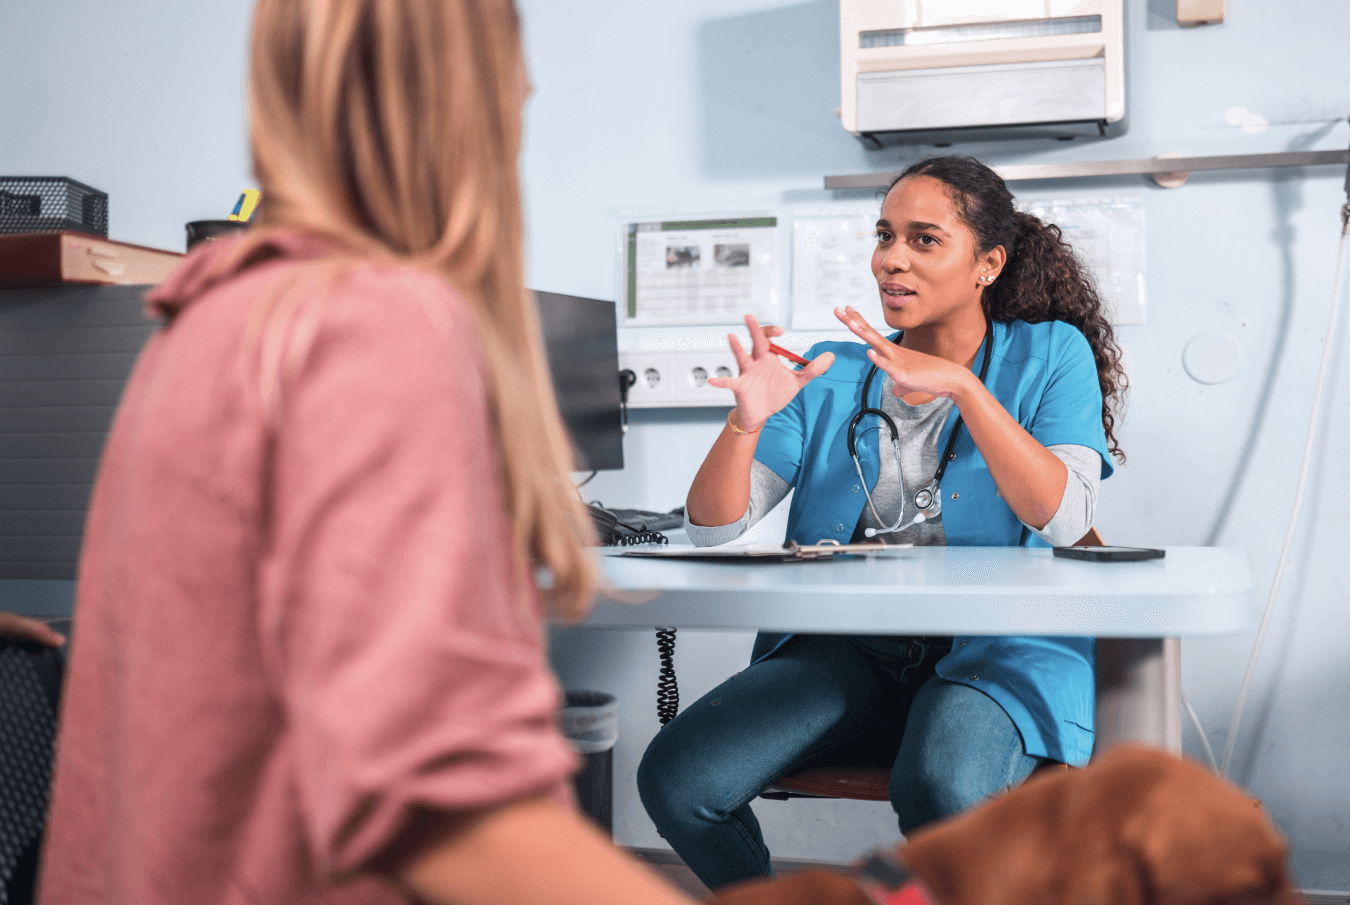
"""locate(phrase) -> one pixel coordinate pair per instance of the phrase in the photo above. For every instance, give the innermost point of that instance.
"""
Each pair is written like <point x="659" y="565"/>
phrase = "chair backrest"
<point x="30" y="677"/>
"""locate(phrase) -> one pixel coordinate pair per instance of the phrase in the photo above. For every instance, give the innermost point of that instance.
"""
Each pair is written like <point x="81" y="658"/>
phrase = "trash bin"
<point x="590" y="722"/>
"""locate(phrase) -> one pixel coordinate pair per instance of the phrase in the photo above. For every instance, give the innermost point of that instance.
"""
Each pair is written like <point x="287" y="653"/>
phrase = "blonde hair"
<point x="393" y="126"/>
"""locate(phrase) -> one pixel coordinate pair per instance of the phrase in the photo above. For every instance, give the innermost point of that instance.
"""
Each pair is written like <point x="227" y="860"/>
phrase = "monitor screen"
<point x="582" y="343"/>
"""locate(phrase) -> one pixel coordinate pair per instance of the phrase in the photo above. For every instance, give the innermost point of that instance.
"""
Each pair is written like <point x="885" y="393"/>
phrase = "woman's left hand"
<point x="1028" y="476"/>
<point x="912" y="372"/>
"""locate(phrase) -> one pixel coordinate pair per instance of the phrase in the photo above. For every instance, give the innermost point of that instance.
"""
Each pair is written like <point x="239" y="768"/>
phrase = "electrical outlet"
<point x="692" y="370"/>
<point x="655" y="378"/>
<point x="674" y="379"/>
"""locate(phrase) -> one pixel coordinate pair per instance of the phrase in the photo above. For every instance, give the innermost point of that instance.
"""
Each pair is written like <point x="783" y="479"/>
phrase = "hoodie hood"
<point x="219" y="260"/>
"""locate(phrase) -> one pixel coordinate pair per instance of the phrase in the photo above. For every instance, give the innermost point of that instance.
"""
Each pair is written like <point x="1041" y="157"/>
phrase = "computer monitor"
<point x="582" y="343"/>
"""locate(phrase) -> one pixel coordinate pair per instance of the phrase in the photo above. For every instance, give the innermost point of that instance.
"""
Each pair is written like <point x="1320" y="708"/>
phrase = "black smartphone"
<point x="1110" y="554"/>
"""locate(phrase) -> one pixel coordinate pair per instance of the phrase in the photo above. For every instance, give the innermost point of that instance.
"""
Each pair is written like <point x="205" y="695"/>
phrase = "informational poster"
<point x="1108" y="236"/>
<point x="711" y="271"/>
<point x="831" y="268"/>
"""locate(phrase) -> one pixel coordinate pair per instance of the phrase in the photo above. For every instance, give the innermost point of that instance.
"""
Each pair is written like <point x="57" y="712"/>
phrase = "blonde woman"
<point x="309" y="665"/>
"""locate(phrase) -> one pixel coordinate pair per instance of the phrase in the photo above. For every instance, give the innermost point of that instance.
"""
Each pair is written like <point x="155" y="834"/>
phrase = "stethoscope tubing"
<point x="926" y="496"/>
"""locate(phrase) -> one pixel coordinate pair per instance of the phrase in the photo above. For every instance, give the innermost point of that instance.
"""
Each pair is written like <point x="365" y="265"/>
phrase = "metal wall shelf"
<point x="1091" y="168"/>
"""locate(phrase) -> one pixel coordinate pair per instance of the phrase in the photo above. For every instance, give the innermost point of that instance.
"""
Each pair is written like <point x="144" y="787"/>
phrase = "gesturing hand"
<point x="764" y="385"/>
<point x="912" y="372"/>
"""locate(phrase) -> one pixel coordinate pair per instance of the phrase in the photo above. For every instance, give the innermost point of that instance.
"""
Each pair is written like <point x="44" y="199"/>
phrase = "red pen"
<point x="790" y="356"/>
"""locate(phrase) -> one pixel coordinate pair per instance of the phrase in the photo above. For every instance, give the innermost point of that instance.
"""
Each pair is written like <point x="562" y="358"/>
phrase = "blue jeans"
<point x="823" y="700"/>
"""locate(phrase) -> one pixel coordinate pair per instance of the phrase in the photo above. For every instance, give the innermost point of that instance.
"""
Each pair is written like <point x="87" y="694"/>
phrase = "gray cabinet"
<point x="65" y="354"/>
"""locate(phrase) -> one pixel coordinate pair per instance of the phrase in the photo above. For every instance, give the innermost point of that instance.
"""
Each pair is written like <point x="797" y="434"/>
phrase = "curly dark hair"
<point x="1042" y="279"/>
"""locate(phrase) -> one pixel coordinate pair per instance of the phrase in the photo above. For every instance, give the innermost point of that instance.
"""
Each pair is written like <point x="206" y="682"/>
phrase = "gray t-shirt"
<point x="920" y="427"/>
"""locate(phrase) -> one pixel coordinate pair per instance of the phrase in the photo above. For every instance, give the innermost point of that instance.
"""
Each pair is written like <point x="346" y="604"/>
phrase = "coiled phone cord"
<point x="639" y="536"/>
<point x="667" y="690"/>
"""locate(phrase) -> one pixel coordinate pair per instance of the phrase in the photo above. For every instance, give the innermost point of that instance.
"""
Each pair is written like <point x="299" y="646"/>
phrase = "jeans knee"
<point x="650" y="783"/>
<point x="927" y="792"/>
<point x="663" y="792"/>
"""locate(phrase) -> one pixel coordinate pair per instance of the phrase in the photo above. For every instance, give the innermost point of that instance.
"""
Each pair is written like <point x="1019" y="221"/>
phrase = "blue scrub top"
<point x="1045" y="376"/>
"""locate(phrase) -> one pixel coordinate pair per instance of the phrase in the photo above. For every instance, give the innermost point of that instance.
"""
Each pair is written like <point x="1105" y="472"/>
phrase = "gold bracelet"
<point x="735" y="427"/>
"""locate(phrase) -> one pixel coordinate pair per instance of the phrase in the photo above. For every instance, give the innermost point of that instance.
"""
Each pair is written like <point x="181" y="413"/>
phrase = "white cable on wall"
<point x="1204" y="739"/>
<point x="1327" y="345"/>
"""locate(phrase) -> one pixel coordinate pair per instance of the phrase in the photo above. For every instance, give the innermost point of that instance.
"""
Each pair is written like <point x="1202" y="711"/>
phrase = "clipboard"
<point x="788" y="552"/>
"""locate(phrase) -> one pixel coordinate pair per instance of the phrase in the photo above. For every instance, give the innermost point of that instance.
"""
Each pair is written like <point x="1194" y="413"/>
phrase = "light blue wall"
<point x="141" y="99"/>
<point x="731" y="103"/>
<point x="712" y="104"/>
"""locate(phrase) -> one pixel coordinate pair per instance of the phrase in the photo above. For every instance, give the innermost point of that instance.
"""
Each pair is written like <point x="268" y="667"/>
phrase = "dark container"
<point x="206" y="230"/>
<point x="590" y="721"/>
<point x="51" y="204"/>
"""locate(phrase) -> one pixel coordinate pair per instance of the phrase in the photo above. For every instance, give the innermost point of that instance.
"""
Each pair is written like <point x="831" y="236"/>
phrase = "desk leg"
<point x="1138" y="692"/>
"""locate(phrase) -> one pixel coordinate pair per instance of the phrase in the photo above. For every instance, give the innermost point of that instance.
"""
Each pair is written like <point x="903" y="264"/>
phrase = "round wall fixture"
<point x="1174" y="179"/>
<point x="1212" y="358"/>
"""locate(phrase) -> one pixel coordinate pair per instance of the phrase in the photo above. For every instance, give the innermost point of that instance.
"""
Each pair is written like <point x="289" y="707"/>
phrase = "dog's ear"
<point x="1096" y="863"/>
<point x="1197" y="840"/>
<point x="1002" y="853"/>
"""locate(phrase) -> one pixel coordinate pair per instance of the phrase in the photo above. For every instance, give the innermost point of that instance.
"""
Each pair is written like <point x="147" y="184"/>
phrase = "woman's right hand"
<point x="764" y="386"/>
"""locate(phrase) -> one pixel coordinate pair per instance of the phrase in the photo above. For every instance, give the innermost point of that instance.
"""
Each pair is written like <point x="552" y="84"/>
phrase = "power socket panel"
<point x="679" y="379"/>
<point x="655" y="377"/>
<point x="692" y="370"/>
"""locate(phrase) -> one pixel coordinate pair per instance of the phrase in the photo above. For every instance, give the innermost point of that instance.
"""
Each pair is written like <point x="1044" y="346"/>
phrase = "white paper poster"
<point x="1108" y="236"/>
<point x="711" y="271"/>
<point x="831" y="268"/>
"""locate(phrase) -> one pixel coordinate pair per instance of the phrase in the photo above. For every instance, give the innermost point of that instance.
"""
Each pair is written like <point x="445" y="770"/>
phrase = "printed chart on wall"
<point x="711" y="271"/>
<point x="831" y="268"/>
<point x="1108" y="235"/>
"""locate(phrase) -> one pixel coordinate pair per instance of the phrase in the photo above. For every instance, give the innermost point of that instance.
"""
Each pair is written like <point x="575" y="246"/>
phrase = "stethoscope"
<point x="926" y="500"/>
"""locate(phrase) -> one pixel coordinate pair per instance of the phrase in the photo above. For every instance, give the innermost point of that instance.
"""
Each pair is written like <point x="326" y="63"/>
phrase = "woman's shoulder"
<point x="373" y="300"/>
<point x="850" y="359"/>
<point x="285" y="268"/>
<point x="386" y="287"/>
<point x="1049" y="341"/>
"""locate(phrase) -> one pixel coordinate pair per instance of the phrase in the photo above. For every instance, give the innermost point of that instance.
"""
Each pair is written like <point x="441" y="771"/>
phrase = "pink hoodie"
<point x="290" y="630"/>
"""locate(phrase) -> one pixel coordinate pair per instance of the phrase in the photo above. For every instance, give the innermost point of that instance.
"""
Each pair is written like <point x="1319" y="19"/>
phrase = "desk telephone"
<point x="625" y="527"/>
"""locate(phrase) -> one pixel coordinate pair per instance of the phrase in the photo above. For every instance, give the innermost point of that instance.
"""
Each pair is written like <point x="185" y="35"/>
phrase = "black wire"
<point x="667" y="689"/>
<point x="588" y="478"/>
<point x="639" y="536"/>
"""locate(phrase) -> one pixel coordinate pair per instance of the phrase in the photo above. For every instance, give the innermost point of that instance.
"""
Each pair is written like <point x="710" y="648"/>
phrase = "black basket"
<point x="51" y="204"/>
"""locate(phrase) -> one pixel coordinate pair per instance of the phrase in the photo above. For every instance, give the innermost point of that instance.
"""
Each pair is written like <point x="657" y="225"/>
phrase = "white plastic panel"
<point x="1007" y="94"/>
<point x="952" y="12"/>
<point x="981" y="31"/>
<point x="886" y="36"/>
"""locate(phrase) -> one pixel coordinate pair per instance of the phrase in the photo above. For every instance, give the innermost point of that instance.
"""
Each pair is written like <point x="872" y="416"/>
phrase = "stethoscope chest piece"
<point x="926" y="500"/>
<point x="926" y="497"/>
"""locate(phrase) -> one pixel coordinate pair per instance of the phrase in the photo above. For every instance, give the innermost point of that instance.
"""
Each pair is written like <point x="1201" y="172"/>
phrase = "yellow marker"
<point x="246" y="206"/>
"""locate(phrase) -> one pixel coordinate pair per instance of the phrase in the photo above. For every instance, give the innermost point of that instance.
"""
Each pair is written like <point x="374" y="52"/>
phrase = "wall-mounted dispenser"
<point x="948" y="70"/>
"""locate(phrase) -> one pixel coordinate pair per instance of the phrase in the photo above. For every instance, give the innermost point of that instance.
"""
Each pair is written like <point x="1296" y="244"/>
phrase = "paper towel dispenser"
<point x="949" y="70"/>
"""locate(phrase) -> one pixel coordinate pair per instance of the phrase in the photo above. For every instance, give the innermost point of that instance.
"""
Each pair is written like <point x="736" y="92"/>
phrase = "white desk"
<point x="968" y="591"/>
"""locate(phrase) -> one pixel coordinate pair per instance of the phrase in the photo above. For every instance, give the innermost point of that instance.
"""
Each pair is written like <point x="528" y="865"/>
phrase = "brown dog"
<point x="1137" y="827"/>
